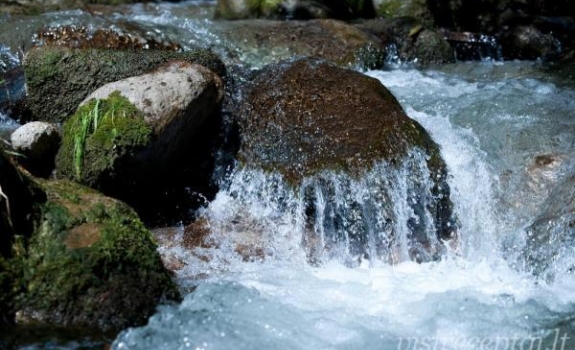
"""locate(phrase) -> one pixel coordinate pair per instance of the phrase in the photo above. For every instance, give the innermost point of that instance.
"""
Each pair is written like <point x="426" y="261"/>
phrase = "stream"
<point x="507" y="134"/>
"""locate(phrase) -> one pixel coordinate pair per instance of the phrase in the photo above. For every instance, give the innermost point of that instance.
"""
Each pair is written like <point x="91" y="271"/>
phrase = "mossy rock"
<point x="91" y="262"/>
<point x="101" y="140"/>
<point x="417" y="9"/>
<point x="58" y="78"/>
<point x="18" y="196"/>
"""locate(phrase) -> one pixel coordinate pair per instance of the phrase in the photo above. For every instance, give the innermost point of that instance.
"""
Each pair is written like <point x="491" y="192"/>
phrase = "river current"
<point x="494" y="124"/>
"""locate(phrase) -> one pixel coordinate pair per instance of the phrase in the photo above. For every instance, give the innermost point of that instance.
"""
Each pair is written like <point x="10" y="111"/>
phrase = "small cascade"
<point x="384" y="215"/>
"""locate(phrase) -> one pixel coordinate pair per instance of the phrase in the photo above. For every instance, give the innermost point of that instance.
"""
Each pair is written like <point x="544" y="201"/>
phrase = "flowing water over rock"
<point x="507" y="140"/>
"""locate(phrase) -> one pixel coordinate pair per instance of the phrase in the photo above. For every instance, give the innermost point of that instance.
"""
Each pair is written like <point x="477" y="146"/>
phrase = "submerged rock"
<point x="132" y="138"/>
<point x="324" y="129"/>
<point x="263" y="42"/>
<point x="38" y="143"/>
<point x="58" y="79"/>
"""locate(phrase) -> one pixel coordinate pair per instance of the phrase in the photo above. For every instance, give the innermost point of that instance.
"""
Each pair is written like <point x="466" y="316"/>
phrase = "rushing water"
<point x="493" y="123"/>
<point x="507" y="134"/>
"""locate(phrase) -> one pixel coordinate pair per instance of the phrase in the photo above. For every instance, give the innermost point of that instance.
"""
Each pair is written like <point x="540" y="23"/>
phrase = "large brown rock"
<point x="308" y="120"/>
<point x="306" y="116"/>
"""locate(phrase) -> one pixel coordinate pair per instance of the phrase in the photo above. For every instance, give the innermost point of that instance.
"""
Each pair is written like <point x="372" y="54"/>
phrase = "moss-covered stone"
<point x="58" y="79"/>
<point x="100" y="138"/>
<point x="90" y="262"/>
<point x="405" y="8"/>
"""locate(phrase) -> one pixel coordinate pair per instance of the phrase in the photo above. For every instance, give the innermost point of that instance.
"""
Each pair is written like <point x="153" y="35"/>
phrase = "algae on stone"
<point x="100" y="137"/>
<point x="91" y="262"/>
<point x="59" y="79"/>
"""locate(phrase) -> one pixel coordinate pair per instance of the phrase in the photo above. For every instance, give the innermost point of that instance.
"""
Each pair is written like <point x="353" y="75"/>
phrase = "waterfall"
<point x="382" y="216"/>
<point x="333" y="267"/>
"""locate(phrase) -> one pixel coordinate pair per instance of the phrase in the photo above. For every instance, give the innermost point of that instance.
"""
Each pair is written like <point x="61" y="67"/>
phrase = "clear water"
<point x="491" y="124"/>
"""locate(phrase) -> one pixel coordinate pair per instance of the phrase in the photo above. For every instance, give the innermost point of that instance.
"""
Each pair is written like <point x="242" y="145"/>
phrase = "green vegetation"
<point x="55" y="89"/>
<point x="87" y="252"/>
<point x="100" y="136"/>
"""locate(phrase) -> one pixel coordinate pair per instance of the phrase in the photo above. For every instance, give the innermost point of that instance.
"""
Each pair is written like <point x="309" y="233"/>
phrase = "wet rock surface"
<point x="58" y="78"/>
<point x="302" y="117"/>
<point x="82" y="37"/>
<point x="90" y="262"/>
<point x="261" y="42"/>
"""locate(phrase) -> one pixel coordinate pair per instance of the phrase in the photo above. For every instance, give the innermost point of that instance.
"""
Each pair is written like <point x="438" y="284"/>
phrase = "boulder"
<point x="411" y="39"/>
<point x="71" y="256"/>
<point x="309" y="115"/>
<point x="134" y="136"/>
<point x="82" y="37"/>
<point x="38" y="142"/>
<point x="58" y="78"/>
<point x="528" y="42"/>
<point x="416" y="9"/>
<point x="263" y="42"/>
<point x="308" y="120"/>
<point x="90" y="263"/>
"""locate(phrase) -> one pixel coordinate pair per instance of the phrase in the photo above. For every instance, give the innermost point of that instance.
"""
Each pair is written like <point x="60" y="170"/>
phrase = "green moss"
<point x="389" y="8"/>
<point x="100" y="136"/>
<point x="46" y="70"/>
<point x="59" y="79"/>
<point x="82" y="257"/>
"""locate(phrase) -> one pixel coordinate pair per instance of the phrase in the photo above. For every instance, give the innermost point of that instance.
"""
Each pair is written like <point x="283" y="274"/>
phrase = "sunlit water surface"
<point x="492" y="122"/>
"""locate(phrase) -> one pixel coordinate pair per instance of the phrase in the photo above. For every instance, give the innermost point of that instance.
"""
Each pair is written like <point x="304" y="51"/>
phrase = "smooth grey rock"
<point x="36" y="139"/>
